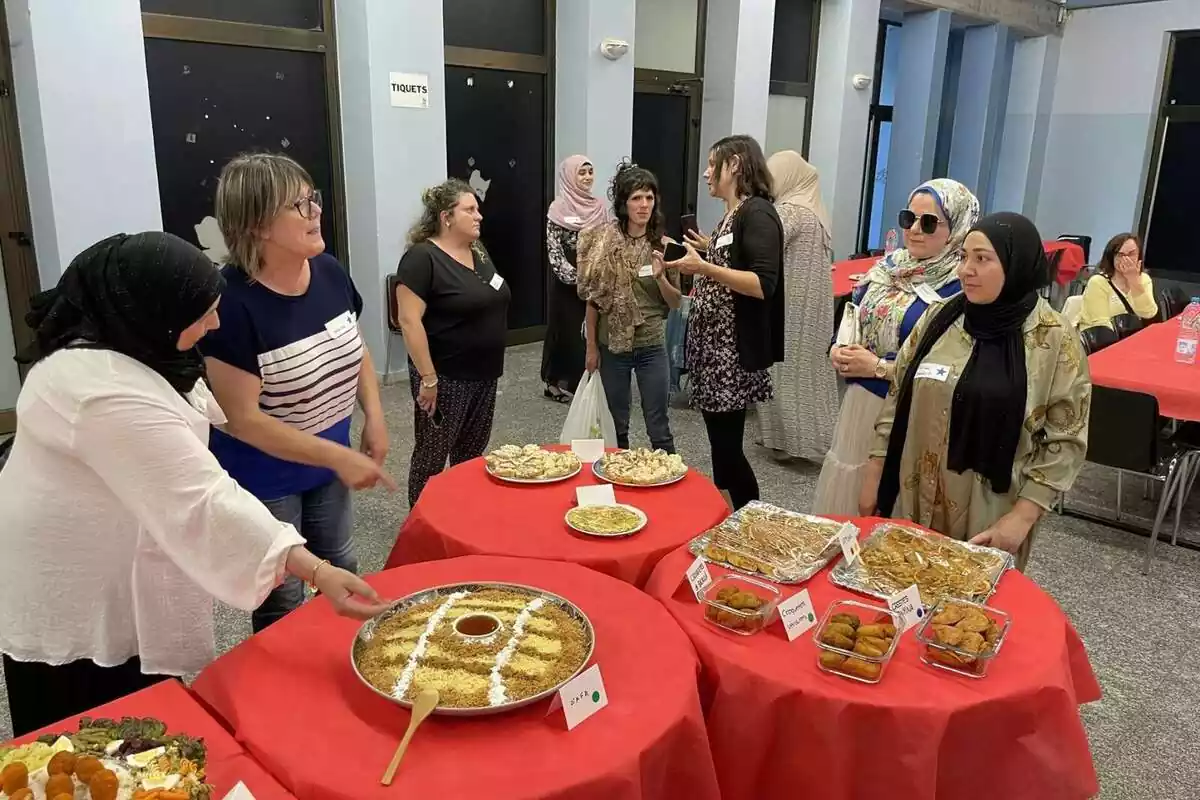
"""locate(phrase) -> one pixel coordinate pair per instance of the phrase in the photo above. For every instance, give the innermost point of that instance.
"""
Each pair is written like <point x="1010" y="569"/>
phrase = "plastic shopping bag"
<point x="589" y="417"/>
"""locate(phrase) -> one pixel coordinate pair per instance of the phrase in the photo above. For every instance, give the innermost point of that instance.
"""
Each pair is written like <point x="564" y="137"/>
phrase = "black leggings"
<point x="731" y="470"/>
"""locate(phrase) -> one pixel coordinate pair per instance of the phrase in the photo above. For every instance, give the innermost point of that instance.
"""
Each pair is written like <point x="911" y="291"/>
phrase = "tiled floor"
<point x="1145" y="733"/>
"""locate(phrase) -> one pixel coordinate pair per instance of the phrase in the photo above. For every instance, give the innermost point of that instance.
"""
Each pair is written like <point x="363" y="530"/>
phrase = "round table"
<point x="780" y="727"/>
<point x="464" y="511"/>
<point x="290" y="696"/>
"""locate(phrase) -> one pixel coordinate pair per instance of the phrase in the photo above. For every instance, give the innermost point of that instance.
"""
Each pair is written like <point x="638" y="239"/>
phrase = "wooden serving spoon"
<point x="422" y="707"/>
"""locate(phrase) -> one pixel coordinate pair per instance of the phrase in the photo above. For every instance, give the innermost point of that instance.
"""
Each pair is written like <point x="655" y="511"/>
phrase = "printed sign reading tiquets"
<point x="698" y="576"/>
<point x="409" y="89"/>
<point x="907" y="606"/>
<point x="581" y="696"/>
<point x="588" y="450"/>
<point x="797" y="615"/>
<point x="601" y="495"/>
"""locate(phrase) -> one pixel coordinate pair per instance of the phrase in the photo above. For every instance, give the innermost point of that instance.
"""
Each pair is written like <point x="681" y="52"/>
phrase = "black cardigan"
<point x="758" y="247"/>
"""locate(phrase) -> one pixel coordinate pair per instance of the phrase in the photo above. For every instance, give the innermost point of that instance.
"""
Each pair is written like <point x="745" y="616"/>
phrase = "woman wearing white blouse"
<point x="120" y="525"/>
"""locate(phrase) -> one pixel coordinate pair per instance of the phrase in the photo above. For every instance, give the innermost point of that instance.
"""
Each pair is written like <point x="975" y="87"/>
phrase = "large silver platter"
<point x="558" y="479"/>
<point x="367" y="631"/>
<point x="598" y="471"/>
<point x="855" y="578"/>
<point x="790" y="574"/>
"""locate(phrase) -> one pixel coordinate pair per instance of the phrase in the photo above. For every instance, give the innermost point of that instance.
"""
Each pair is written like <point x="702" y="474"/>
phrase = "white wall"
<point x="1109" y="83"/>
<point x="785" y="123"/>
<point x="665" y="34"/>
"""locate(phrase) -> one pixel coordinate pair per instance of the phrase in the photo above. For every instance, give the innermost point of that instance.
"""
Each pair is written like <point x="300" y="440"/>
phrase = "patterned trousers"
<point x="467" y="408"/>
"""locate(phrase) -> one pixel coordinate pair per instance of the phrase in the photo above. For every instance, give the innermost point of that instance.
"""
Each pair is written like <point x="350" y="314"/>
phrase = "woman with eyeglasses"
<point x="1122" y="287"/>
<point x="890" y="300"/>
<point x="288" y="365"/>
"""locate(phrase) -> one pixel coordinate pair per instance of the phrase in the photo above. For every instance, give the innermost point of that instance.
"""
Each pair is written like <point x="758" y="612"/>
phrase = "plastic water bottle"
<point x="1189" y="333"/>
<point x="892" y="241"/>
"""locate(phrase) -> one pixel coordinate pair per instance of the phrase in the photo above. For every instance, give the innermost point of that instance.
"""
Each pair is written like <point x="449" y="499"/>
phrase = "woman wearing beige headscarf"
<point x="799" y="421"/>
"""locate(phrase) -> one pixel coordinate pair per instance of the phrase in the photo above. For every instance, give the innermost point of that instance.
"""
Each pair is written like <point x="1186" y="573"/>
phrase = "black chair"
<point x="1097" y="337"/>
<point x="1124" y="434"/>
<point x="393" y="322"/>
<point x="1172" y="300"/>
<point x="1083" y="241"/>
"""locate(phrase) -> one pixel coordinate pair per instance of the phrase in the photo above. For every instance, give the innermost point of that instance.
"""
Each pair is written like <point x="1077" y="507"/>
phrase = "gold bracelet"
<point x="312" y="581"/>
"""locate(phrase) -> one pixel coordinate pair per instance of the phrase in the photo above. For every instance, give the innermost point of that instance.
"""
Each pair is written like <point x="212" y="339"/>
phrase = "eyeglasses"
<point x="929" y="222"/>
<point x="1131" y="255"/>
<point x="310" y="206"/>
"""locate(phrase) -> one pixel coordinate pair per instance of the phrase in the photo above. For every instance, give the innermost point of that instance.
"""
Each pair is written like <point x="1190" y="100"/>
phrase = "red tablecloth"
<point x="1069" y="263"/>
<point x="169" y="702"/>
<point x="463" y="511"/>
<point x="1145" y="362"/>
<point x="780" y="727"/>
<point x="843" y="284"/>
<point x="292" y="698"/>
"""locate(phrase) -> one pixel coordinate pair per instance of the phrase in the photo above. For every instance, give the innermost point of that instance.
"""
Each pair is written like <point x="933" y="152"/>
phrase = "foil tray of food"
<point x="531" y="464"/>
<point x="894" y="557"/>
<point x="765" y="540"/>
<point x="485" y="647"/>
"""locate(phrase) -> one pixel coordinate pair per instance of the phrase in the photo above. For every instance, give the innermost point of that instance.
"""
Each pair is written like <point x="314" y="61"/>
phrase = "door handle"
<point x="21" y="238"/>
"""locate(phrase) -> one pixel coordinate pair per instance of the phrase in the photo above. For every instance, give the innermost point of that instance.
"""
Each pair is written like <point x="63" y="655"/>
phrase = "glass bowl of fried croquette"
<point x="856" y="640"/>
<point x="740" y="604"/>
<point x="962" y="637"/>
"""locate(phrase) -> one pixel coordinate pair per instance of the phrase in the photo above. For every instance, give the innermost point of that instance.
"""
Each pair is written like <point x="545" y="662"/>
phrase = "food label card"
<point x="580" y="697"/>
<point x="588" y="450"/>
<point x="907" y="606"/>
<point x="699" y="577"/>
<point x="847" y="537"/>
<point x="797" y="615"/>
<point x="602" y="495"/>
<point x="239" y="792"/>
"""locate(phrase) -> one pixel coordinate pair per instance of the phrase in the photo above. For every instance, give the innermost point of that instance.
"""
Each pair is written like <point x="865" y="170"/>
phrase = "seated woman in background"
<point x="895" y="294"/>
<point x="990" y="419"/>
<point x="1122" y="287"/>
<point x="453" y="308"/>
<point x="629" y="295"/>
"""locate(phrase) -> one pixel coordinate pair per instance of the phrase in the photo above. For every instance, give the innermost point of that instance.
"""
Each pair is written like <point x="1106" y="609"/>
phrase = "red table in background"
<point x="1145" y="362"/>
<point x="172" y="704"/>
<point x="779" y="727"/>
<point x="843" y="284"/>
<point x="1069" y="263"/>
<point x="464" y="511"/>
<point x="291" y="696"/>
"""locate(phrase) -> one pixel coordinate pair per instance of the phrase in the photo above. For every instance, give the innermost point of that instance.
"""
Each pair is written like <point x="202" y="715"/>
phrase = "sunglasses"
<point x="929" y="222"/>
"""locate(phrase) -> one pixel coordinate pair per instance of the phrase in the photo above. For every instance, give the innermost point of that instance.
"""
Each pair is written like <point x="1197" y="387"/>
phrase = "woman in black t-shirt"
<point x="453" y="309"/>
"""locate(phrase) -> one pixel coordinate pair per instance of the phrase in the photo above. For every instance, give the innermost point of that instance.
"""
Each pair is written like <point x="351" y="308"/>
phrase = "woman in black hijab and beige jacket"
<point x="987" y="421"/>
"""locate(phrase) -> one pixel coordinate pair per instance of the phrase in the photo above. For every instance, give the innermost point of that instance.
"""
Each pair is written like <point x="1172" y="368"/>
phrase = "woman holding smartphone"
<point x="453" y="308"/>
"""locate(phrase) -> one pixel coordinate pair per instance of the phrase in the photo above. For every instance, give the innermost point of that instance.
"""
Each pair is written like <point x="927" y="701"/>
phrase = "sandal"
<point x="557" y="395"/>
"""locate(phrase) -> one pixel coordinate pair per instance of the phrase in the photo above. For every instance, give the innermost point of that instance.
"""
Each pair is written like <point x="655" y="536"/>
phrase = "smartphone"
<point x="674" y="252"/>
<point x="688" y="223"/>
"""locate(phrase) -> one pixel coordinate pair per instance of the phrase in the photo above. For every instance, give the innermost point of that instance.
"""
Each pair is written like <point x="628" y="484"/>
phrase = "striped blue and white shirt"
<point x="308" y="352"/>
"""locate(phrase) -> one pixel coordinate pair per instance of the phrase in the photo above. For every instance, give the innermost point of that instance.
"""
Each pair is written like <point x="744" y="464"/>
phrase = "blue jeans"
<point x="654" y="385"/>
<point x="323" y="517"/>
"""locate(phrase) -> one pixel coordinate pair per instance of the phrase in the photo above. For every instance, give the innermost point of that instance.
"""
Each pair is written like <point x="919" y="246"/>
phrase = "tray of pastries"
<point x="761" y="539"/>
<point x="962" y="637"/>
<point x="531" y="464"/>
<point x="856" y="640"/>
<point x="640" y="467"/>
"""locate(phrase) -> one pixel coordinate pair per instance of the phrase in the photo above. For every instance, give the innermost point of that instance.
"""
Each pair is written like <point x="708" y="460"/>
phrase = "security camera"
<point x="613" y="49"/>
<point x="861" y="81"/>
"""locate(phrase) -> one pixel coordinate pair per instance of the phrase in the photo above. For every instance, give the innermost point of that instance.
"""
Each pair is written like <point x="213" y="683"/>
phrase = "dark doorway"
<point x="496" y="141"/>
<point x="665" y="123"/>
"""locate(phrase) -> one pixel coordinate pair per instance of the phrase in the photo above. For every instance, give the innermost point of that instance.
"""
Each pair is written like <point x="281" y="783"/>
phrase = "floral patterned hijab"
<point x="893" y="280"/>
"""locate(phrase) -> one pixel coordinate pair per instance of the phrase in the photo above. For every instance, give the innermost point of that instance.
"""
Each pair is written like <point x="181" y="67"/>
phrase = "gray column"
<point x="83" y="105"/>
<point x="923" y="40"/>
<point x="593" y="110"/>
<point x="737" y="80"/>
<point x="837" y="147"/>
<point x="979" y="114"/>
<point x="390" y="154"/>
<point x="1026" y="125"/>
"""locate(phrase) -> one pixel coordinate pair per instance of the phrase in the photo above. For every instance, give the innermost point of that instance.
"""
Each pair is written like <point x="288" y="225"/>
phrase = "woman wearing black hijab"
<point x="989" y="420"/>
<point x="119" y="525"/>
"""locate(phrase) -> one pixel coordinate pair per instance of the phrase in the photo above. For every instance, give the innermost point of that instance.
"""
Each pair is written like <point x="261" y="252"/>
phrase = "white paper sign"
<point x="797" y="615"/>
<point x="847" y="537"/>
<point x="646" y="271"/>
<point x="409" y="89"/>
<point x="933" y="372"/>
<point x="496" y="282"/>
<point x="927" y="293"/>
<point x="907" y="606"/>
<point x="583" y="696"/>
<point x="601" y="495"/>
<point x="699" y="577"/>
<point x="239" y="792"/>
<point x="588" y="450"/>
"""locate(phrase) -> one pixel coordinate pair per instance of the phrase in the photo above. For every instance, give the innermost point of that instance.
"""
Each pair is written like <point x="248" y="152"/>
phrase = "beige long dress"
<point x="1053" y="440"/>
<point x="799" y="420"/>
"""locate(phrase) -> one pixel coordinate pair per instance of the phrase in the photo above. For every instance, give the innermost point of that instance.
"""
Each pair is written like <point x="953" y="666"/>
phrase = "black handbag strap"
<point x="1124" y="302"/>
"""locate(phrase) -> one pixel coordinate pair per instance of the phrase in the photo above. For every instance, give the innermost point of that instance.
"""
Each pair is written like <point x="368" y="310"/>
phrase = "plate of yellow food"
<point x="640" y="467"/>
<point x="531" y="463"/>
<point x="608" y="521"/>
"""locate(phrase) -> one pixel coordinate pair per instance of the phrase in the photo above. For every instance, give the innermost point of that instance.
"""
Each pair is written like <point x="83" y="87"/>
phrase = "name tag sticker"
<point x="340" y="324"/>
<point x="933" y="372"/>
<point x="927" y="293"/>
<point x="725" y="240"/>
<point x="496" y="282"/>
<point x="573" y="220"/>
<point x="646" y="271"/>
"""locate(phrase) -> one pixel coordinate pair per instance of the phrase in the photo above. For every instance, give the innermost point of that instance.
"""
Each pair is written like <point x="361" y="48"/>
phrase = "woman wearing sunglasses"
<point x="288" y="365"/>
<point x="890" y="300"/>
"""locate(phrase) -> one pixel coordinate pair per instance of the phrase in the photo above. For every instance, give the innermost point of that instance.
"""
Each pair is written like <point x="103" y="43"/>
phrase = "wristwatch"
<point x="881" y="369"/>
